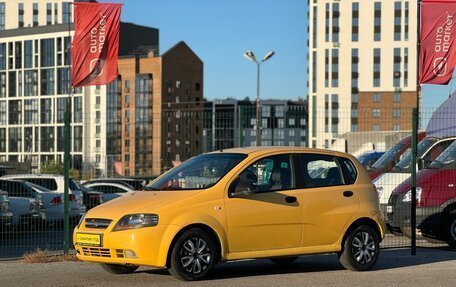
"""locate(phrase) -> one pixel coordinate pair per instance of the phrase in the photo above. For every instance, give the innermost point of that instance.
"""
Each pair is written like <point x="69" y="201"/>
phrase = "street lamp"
<point x="251" y="57"/>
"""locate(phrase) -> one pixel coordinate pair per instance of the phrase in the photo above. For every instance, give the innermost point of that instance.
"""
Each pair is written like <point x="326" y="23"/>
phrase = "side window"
<point x="436" y="151"/>
<point x="269" y="174"/>
<point x="348" y="170"/>
<point x="116" y="189"/>
<point x="320" y="170"/>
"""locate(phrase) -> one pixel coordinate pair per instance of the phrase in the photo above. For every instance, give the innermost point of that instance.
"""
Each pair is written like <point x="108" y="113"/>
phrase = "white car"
<point x="24" y="203"/>
<point x="55" y="182"/>
<point x="110" y="190"/>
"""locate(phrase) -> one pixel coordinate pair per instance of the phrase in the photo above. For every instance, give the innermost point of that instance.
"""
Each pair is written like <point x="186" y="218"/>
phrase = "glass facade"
<point x="143" y="102"/>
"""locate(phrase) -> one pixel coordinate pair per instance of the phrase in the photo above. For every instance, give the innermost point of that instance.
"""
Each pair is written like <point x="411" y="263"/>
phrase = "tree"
<point x="55" y="167"/>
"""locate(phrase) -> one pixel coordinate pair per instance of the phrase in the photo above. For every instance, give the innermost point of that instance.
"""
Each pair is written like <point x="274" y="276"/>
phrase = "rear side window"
<point x="48" y="183"/>
<point x="320" y="170"/>
<point x="15" y="189"/>
<point x="348" y="170"/>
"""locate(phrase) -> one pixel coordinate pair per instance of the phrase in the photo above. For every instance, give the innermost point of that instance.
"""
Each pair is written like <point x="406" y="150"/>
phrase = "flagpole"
<point x="67" y="139"/>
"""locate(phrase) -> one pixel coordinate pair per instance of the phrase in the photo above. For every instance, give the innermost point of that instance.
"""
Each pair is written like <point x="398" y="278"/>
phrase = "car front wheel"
<point x="193" y="256"/>
<point x="451" y="230"/>
<point x="360" y="249"/>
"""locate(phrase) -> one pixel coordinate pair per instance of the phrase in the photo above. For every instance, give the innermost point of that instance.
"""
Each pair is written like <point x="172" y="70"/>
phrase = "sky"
<point x="220" y="31"/>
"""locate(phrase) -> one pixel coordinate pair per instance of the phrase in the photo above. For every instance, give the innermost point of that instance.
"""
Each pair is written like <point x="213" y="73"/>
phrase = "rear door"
<point x="329" y="197"/>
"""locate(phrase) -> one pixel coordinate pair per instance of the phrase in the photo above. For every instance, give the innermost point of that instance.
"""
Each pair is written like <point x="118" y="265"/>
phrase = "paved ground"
<point x="431" y="267"/>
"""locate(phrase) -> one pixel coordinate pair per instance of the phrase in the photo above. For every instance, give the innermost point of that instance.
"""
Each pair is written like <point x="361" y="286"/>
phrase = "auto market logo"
<point x="97" y="41"/>
<point x="442" y="45"/>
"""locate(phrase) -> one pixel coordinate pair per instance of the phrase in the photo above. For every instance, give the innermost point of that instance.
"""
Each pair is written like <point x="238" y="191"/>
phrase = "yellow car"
<point x="244" y="203"/>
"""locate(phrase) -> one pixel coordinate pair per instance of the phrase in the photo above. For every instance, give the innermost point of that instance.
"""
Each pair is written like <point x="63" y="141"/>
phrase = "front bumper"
<point x="150" y="245"/>
<point x="428" y="219"/>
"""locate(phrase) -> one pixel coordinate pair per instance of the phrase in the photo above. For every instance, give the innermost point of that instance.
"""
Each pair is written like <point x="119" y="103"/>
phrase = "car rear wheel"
<point x="283" y="260"/>
<point x="451" y="230"/>
<point x="360" y="249"/>
<point x="193" y="256"/>
<point x="119" y="269"/>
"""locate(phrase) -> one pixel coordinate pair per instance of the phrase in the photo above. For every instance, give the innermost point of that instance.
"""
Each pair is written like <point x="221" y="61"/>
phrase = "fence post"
<point x="66" y="175"/>
<point x="413" y="191"/>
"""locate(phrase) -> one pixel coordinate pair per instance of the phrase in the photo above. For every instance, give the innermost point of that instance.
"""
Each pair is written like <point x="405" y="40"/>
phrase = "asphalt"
<point x="396" y="267"/>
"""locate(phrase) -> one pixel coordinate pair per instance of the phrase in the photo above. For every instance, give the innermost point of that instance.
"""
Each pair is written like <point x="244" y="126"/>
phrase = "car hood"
<point x="428" y="178"/>
<point x="387" y="182"/>
<point x="137" y="202"/>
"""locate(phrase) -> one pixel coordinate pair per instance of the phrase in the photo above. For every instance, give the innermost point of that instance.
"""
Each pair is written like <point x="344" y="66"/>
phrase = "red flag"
<point x="95" y="43"/>
<point x="438" y="36"/>
<point x="118" y="168"/>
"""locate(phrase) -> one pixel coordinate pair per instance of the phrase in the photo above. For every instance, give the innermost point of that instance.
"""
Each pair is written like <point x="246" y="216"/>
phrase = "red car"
<point x="387" y="161"/>
<point x="436" y="201"/>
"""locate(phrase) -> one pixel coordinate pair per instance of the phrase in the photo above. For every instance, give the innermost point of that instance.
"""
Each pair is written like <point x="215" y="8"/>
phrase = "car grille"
<point x="96" y="252"/>
<point x="97" y="223"/>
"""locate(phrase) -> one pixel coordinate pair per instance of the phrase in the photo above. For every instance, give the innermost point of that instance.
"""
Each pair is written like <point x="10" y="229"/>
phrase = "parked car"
<point x="92" y="198"/>
<point x="436" y="201"/>
<point x="243" y="203"/>
<point x="110" y="190"/>
<point x="135" y="183"/>
<point x="25" y="204"/>
<point x="56" y="183"/>
<point x="367" y="159"/>
<point x="6" y="216"/>
<point x="390" y="158"/>
<point x="428" y="150"/>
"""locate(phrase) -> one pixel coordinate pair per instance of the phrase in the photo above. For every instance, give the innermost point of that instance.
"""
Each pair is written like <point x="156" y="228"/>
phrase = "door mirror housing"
<point x="420" y="163"/>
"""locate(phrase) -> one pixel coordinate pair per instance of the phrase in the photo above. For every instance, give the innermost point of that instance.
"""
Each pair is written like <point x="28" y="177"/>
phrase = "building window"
<point x="2" y="16"/>
<point x="335" y="68"/>
<point x="396" y="127"/>
<point x="326" y="68"/>
<point x="31" y="112"/>
<point x="2" y="56"/>
<point x="48" y="13"/>
<point x="28" y="54"/>
<point x="406" y="25"/>
<point x="335" y="114"/>
<point x="56" y="13"/>
<point x="15" y="140"/>
<point x="30" y="83"/>
<point x="66" y="12"/>
<point x="355" y="21"/>
<point x="20" y="12"/>
<point x="397" y="20"/>
<point x="63" y="81"/>
<point x="377" y="21"/>
<point x="327" y="16"/>
<point x="397" y="97"/>
<point x="314" y="27"/>
<point x="35" y="14"/>
<point x="397" y="67"/>
<point x="335" y="22"/>
<point x="396" y="113"/>
<point x="376" y="98"/>
<point x="18" y="54"/>
<point x="15" y="112"/>
<point x="314" y="72"/>
<point x="406" y="57"/>
<point x="47" y="81"/>
<point x="376" y="128"/>
<point x="376" y="113"/>
<point x="46" y="111"/>
<point x="47" y="52"/>
<point x="377" y="61"/>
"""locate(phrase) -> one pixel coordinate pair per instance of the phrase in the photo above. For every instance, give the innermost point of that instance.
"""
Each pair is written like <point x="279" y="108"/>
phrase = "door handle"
<point x="290" y="199"/>
<point x="348" y="193"/>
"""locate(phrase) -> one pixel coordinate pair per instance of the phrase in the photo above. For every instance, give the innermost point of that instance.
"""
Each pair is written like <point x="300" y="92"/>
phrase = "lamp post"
<point x="251" y="57"/>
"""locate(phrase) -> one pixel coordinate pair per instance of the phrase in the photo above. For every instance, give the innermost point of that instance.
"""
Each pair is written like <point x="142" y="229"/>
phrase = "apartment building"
<point x="362" y="67"/>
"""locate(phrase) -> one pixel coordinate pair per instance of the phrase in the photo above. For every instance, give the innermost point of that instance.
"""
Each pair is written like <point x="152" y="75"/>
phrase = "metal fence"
<point x="118" y="152"/>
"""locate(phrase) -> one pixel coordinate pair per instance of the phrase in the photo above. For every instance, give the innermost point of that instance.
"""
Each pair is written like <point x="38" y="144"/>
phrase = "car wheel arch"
<point x="359" y="222"/>
<point x="206" y="228"/>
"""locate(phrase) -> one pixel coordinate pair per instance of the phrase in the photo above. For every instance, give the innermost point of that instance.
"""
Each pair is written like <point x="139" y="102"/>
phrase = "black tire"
<point x="283" y="260"/>
<point x="450" y="230"/>
<point x="119" y="269"/>
<point x="194" y="256"/>
<point x="361" y="249"/>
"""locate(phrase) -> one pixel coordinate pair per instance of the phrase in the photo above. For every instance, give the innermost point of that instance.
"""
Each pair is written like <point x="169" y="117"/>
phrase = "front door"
<point x="265" y="211"/>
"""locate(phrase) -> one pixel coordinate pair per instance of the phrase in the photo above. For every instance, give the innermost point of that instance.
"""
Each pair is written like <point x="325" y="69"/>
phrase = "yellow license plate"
<point x="88" y="239"/>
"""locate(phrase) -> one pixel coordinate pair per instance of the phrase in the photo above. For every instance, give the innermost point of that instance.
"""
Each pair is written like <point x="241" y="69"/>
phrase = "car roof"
<point x="269" y="149"/>
<point x="33" y="175"/>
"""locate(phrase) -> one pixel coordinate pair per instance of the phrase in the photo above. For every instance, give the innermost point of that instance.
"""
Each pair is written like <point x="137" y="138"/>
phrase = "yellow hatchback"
<point x="243" y="203"/>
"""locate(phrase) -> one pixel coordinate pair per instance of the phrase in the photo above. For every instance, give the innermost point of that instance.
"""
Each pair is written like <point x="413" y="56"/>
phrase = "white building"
<point x="362" y="59"/>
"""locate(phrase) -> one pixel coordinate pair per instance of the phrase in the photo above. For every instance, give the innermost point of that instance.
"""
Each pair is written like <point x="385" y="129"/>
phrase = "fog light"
<point x="130" y="254"/>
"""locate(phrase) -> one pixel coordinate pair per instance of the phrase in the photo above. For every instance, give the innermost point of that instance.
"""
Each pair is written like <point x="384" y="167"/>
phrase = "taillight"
<point x="56" y="200"/>
<point x="72" y="197"/>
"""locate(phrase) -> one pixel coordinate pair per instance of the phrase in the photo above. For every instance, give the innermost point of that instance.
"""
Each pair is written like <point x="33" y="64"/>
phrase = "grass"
<point x="47" y="256"/>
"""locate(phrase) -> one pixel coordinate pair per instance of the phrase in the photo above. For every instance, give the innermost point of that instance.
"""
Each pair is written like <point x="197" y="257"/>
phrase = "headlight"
<point x="408" y="196"/>
<point x="81" y="219"/>
<point x="132" y="221"/>
<point x="379" y="191"/>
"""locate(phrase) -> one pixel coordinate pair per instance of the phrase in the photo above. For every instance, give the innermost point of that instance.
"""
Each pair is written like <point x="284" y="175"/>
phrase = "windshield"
<point x="446" y="160"/>
<point x="200" y="172"/>
<point x="405" y="164"/>
<point x="388" y="157"/>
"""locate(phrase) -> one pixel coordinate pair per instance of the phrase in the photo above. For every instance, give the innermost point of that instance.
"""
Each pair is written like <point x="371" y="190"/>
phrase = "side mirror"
<point x="240" y="188"/>
<point x="421" y="163"/>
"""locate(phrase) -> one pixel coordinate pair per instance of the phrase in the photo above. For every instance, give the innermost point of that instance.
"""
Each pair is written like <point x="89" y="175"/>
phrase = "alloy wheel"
<point x="363" y="247"/>
<point x="195" y="255"/>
